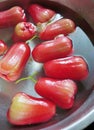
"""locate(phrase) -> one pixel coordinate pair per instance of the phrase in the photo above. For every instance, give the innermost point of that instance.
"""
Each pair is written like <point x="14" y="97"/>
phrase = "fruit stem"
<point x="31" y="77"/>
<point x="35" y="36"/>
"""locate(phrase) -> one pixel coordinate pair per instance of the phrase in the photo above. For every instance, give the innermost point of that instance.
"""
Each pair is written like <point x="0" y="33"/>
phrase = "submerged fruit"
<point x="26" y="110"/>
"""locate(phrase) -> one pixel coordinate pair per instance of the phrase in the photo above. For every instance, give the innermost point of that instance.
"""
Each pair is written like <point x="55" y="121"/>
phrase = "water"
<point x="83" y="43"/>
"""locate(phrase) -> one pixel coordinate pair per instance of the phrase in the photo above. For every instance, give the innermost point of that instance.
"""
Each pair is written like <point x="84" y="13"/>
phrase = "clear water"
<point x="83" y="43"/>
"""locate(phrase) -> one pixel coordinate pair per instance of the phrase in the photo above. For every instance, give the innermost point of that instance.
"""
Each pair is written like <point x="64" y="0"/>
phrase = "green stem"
<point x="51" y="20"/>
<point x="31" y="77"/>
<point x="35" y="36"/>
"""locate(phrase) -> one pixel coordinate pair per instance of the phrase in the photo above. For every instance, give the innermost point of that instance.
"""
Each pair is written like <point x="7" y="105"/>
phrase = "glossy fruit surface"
<point x="61" y="92"/>
<point x="25" y="110"/>
<point x="73" y="67"/>
<point x="61" y="26"/>
<point x="24" y="31"/>
<point x="40" y="14"/>
<point x="3" y="47"/>
<point x="61" y="46"/>
<point x="14" y="61"/>
<point x="12" y="16"/>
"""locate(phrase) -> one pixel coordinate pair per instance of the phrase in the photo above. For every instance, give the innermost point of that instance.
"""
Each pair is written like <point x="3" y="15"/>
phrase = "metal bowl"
<point x="82" y="113"/>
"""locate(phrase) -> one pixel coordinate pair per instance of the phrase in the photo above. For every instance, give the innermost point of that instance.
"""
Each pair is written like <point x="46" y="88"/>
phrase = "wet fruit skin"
<point x="23" y="31"/>
<point x="72" y="67"/>
<point x="61" y="92"/>
<point x="3" y="47"/>
<point x="61" y="46"/>
<point x="14" y="61"/>
<point x="26" y="109"/>
<point x="62" y="26"/>
<point x="12" y="16"/>
<point x="40" y="14"/>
